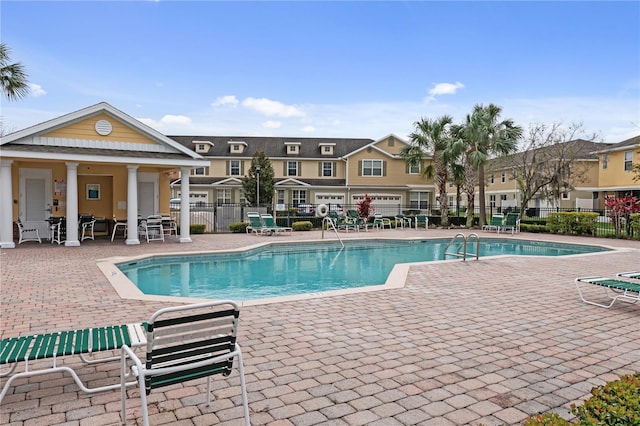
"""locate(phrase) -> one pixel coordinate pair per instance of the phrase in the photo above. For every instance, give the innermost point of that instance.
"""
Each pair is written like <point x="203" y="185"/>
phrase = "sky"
<point x="354" y="69"/>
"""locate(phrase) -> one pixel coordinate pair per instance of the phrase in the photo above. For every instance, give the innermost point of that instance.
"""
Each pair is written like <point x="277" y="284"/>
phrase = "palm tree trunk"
<point x="441" y="184"/>
<point x="481" y="195"/>
<point x="470" y="189"/>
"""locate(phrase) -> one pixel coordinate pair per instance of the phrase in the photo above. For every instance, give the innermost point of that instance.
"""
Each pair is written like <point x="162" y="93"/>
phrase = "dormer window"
<point x="202" y="147"/>
<point x="237" y="147"/>
<point x="327" y="148"/>
<point x="293" y="148"/>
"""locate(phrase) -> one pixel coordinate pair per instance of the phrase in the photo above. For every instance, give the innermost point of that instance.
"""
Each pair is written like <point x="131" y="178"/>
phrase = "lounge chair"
<point x="185" y="343"/>
<point x="496" y="222"/>
<point x="381" y="221"/>
<point x="614" y="289"/>
<point x="271" y="225"/>
<point x="353" y="218"/>
<point x="635" y="275"/>
<point x="422" y="220"/>
<point x="255" y="224"/>
<point x="341" y="223"/>
<point x="512" y="221"/>
<point x="54" y="346"/>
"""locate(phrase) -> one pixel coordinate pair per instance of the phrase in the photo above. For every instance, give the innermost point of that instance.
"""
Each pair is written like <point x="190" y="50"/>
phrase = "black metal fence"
<point x="218" y="218"/>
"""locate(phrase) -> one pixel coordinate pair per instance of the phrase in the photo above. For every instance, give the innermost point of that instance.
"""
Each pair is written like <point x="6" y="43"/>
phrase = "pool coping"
<point x="395" y="280"/>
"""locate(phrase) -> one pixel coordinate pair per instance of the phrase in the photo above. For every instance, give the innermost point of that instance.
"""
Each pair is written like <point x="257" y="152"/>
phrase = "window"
<point x="503" y="177"/>
<point x="372" y="168"/>
<point x="201" y="147"/>
<point x="419" y="200"/>
<point x="391" y="142"/>
<point x="492" y="200"/>
<point x="503" y="197"/>
<point x="327" y="169"/>
<point x="280" y="196"/>
<point x="292" y="168"/>
<point x="326" y="149"/>
<point x="628" y="161"/>
<point x="236" y="147"/>
<point x="414" y="169"/>
<point x="234" y="168"/>
<point x="298" y="196"/>
<point x="224" y="196"/>
<point x="491" y="179"/>
<point x="565" y="195"/>
<point x="605" y="161"/>
<point x="200" y="171"/>
<point x="293" y="149"/>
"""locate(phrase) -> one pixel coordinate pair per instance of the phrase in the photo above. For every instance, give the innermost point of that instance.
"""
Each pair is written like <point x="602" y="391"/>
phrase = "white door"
<point x="35" y="198"/>
<point x="146" y="199"/>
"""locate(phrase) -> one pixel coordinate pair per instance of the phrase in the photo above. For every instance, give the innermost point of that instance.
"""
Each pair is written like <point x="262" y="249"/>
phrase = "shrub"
<point x="238" y="227"/>
<point x="615" y="403"/>
<point x="634" y="218"/>
<point x="569" y="223"/>
<point x="302" y="226"/>
<point x="527" y="227"/>
<point x="196" y="228"/>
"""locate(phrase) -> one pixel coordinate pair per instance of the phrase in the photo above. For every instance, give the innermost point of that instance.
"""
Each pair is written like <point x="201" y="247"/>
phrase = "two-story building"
<point x="615" y="170"/>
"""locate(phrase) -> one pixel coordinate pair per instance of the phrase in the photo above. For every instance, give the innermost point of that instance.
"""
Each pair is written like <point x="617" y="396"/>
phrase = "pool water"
<point x="297" y="268"/>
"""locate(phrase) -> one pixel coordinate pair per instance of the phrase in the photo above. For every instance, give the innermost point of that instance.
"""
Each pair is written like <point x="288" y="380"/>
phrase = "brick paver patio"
<point x="463" y="343"/>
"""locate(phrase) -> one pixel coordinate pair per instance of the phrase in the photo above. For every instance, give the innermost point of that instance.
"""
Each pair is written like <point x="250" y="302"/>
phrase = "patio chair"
<point x="86" y="224"/>
<point x="33" y="231"/>
<point x="422" y="220"/>
<point x="380" y="221"/>
<point x="614" y="289"/>
<point x="118" y="224"/>
<point x="169" y="226"/>
<point x="357" y="221"/>
<point x="270" y="224"/>
<point x="59" y="230"/>
<point x="255" y="224"/>
<point x="152" y="228"/>
<point x="185" y="343"/>
<point x="402" y="220"/>
<point x="512" y="221"/>
<point x="496" y="221"/>
<point x="54" y="346"/>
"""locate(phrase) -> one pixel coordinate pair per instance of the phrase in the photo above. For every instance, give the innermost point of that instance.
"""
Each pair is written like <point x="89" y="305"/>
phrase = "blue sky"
<point x="327" y="69"/>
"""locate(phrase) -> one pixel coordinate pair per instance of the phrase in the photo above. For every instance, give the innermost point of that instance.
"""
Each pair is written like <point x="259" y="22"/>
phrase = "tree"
<point x="250" y="181"/>
<point x="13" y="78"/>
<point x="486" y="137"/>
<point x="365" y="207"/>
<point x="548" y="163"/>
<point x="432" y="135"/>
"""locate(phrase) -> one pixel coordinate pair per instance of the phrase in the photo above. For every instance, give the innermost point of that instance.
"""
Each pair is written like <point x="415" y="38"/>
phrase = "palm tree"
<point x="487" y="136"/>
<point x="13" y="79"/>
<point x="432" y="135"/>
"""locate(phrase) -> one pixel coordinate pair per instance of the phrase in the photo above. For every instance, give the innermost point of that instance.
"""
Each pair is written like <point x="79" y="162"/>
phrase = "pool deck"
<point x="462" y="343"/>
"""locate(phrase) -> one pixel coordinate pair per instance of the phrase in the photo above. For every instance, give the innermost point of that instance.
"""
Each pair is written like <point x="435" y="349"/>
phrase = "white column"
<point x="132" y="206"/>
<point x="185" y="214"/>
<point x="6" y="205"/>
<point x="72" y="205"/>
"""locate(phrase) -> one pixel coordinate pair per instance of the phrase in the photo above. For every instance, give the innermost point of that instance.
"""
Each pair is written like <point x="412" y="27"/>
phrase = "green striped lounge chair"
<point x="185" y="343"/>
<point x="634" y="275"/>
<point x="270" y="223"/>
<point x="614" y="289"/>
<point x="25" y="350"/>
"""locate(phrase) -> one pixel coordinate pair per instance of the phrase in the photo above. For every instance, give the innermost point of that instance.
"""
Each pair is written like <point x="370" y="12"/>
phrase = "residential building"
<point x="615" y="169"/>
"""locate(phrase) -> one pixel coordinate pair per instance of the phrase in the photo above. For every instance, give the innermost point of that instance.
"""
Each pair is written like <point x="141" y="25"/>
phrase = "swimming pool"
<point x="283" y="269"/>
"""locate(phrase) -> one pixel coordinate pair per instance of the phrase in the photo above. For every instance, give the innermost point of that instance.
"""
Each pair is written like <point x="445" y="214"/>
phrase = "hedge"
<point x="572" y="223"/>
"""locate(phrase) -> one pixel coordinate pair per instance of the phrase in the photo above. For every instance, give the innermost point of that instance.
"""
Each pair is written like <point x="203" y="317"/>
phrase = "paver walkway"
<point x="462" y="343"/>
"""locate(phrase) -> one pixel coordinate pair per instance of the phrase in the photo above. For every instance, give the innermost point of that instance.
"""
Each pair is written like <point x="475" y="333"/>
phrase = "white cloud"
<point x="225" y="100"/>
<point x="272" y="108"/>
<point x="308" y="129"/>
<point x="176" y="119"/>
<point x="444" y="89"/>
<point x="36" y="90"/>
<point x="270" y="124"/>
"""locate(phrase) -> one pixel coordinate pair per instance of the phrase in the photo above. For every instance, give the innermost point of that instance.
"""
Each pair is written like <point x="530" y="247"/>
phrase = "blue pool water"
<point x="289" y="269"/>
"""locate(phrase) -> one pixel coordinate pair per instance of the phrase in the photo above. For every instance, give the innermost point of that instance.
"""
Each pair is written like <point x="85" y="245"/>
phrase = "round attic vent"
<point x="103" y="127"/>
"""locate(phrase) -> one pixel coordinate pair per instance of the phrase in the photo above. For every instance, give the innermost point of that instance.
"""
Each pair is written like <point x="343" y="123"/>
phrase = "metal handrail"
<point x="330" y="223"/>
<point x="465" y="240"/>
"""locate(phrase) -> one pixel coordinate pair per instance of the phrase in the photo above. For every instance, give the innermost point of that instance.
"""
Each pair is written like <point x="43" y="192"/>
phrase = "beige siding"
<point x="615" y="175"/>
<point x="85" y="129"/>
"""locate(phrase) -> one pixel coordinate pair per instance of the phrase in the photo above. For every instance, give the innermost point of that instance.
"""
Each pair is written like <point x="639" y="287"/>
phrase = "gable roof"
<point x="31" y="142"/>
<point x="374" y="145"/>
<point x="273" y="147"/>
<point x="621" y="146"/>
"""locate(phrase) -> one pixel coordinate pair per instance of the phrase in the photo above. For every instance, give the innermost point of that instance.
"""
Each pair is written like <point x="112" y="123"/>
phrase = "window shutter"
<point x="284" y="169"/>
<point x="359" y="167"/>
<point x="384" y="168"/>
<point x="333" y="169"/>
<point x="228" y="167"/>
<point x="406" y="167"/>
<point x="320" y="167"/>
<point x="241" y="168"/>
<point x="299" y="168"/>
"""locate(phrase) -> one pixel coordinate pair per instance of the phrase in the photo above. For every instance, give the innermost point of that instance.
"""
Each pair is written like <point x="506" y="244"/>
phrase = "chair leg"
<point x="243" y="387"/>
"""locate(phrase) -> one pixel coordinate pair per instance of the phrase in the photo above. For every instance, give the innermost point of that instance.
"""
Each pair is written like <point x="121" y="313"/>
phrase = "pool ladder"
<point x="330" y="224"/>
<point x="462" y="248"/>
